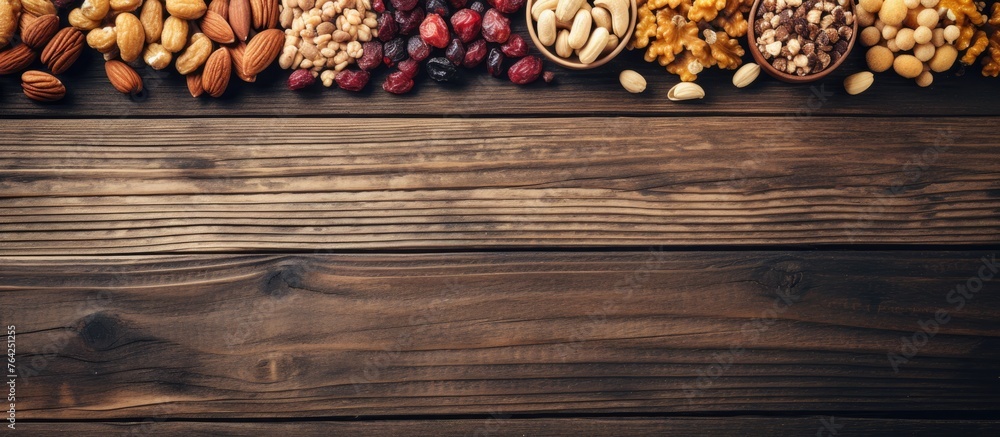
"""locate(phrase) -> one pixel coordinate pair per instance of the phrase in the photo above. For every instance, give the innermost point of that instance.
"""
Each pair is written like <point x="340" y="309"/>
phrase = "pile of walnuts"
<point x="985" y="39"/>
<point x="687" y="36"/>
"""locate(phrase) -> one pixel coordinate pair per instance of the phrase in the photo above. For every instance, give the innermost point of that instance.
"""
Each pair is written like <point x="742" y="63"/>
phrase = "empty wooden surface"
<point x="325" y="335"/>
<point x="134" y="186"/>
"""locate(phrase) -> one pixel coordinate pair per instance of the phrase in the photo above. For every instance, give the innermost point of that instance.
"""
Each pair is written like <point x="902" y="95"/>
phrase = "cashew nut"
<point x="595" y="45"/>
<point x="547" y="27"/>
<point x="542" y="5"/>
<point x="581" y="29"/>
<point x="602" y="18"/>
<point x="562" y="44"/>
<point x="619" y="10"/>
<point x="566" y="9"/>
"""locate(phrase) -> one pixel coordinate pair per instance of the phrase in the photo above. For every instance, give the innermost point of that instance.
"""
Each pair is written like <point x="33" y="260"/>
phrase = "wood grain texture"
<point x="188" y="336"/>
<point x="571" y="427"/>
<point x="592" y="92"/>
<point x="139" y="186"/>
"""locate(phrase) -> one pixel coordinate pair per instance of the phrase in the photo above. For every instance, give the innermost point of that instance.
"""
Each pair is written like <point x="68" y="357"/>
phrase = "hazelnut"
<point x="879" y="58"/>
<point x="870" y="36"/>
<point x="924" y="52"/>
<point x="922" y="35"/>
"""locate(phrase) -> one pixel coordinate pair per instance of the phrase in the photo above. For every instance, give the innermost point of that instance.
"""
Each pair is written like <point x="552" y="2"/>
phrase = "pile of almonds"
<point x="40" y="38"/>
<point x="206" y="43"/>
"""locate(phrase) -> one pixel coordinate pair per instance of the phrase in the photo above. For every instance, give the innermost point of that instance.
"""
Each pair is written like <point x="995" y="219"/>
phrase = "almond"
<point x="41" y="86"/>
<point x="194" y="84"/>
<point x="152" y="20"/>
<point x="262" y="50"/>
<point x="186" y="9"/>
<point x="239" y="18"/>
<point x="216" y="28"/>
<point x="123" y="77"/>
<point x="38" y="7"/>
<point x="63" y="50"/>
<point x="264" y="13"/>
<point x="220" y="7"/>
<point x="195" y="54"/>
<point x="24" y="21"/>
<point x="10" y="12"/>
<point x="16" y="59"/>
<point x="131" y="36"/>
<point x="38" y="32"/>
<point x="215" y="76"/>
<point x="237" y="53"/>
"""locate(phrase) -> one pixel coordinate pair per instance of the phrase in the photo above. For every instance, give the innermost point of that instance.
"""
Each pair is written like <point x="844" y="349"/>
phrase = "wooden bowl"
<point x="573" y="62"/>
<point x="781" y="75"/>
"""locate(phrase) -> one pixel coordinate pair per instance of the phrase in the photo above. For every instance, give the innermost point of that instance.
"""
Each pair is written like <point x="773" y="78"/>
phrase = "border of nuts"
<point x="30" y="31"/>
<point x="207" y="43"/>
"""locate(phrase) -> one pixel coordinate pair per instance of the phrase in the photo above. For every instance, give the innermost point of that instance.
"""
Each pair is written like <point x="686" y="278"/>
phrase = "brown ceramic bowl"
<point x="781" y="75"/>
<point x="573" y="62"/>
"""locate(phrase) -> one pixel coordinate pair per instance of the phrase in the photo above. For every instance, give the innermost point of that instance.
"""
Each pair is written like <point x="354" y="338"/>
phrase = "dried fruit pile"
<point x="37" y="24"/>
<point x="686" y="36"/>
<point x="206" y="43"/>
<point x="441" y="36"/>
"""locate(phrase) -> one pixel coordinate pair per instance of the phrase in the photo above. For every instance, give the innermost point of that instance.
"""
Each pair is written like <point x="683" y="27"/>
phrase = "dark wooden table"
<point x="486" y="259"/>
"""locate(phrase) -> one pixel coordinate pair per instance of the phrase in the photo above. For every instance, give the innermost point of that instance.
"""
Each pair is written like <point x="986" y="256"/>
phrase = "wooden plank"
<point x="141" y="186"/>
<point x="502" y="426"/>
<point x="204" y="336"/>
<point x="593" y="92"/>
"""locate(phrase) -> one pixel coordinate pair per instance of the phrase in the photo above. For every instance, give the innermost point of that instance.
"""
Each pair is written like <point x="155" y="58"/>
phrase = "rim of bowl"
<point x="781" y="75"/>
<point x="576" y="65"/>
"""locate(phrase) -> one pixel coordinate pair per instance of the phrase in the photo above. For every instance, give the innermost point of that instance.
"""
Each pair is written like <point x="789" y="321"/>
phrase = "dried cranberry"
<point x="508" y="6"/>
<point x="439" y="7"/>
<point x="386" y="26"/>
<point x="496" y="26"/>
<point x="417" y="48"/>
<point x="457" y="4"/>
<point x="398" y="83"/>
<point x="434" y="31"/>
<point x="548" y="76"/>
<point x="515" y="47"/>
<point x="494" y="62"/>
<point x="394" y="51"/>
<point x="441" y="69"/>
<point x="479" y="7"/>
<point x="475" y="52"/>
<point x="352" y="80"/>
<point x="300" y="78"/>
<point x="466" y="23"/>
<point x="378" y="6"/>
<point x="526" y="70"/>
<point x="455" y="52"/>
<point x="403" y="5"/>
<point x="410" y="67"/>
<point x="371" y="56"/>
<point x="409" y="21"/>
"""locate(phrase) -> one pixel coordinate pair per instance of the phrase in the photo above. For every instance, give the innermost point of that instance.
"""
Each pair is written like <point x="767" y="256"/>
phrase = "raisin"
<point x="455" y="52"/>
<point x="403" y="5"/>
<point x="515" y="47"/>
<point x="439" y="7"/>
<point x="352" y="80"/>
<point x="371" y="56"/>
<point x="496" y="26"/>
<point x="417" y="48"/>
<point x="441" y="69"/>
<point x="394" y="51"/>
<point x="300" y="78"/>
<point x="508" y="6"/>
<point x="458" y="4"/>
<point x="548" y="76"/>
<point x="398" y="83"/>
<point x="410" y="67"/>
<point x="466" y="23"/>
<point x="386" y="26"/>
<point x="475" y="52"/>
<point x="409" y="21"/>
<point x="494" y="62"/>
<point x="434" y="31"/>
<point x="526" y="70"/>
<point x="378" y="6"/>
<point x="479" y="7"/>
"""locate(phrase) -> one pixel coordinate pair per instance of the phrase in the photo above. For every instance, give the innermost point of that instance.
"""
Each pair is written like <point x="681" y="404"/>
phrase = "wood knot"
<point x="280" y="283"/>
<point x="274" y="367"/>
<point x="100" y="331"/>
